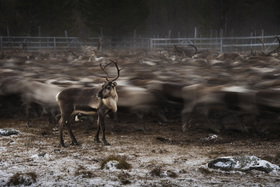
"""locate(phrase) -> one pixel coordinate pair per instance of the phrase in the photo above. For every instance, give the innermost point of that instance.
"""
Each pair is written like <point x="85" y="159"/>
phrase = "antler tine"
<point x="116" y="64"/>
<point x="277" y="49"/>
<point x="264" y="48"/>
<point x="103" y="68"/>
<point x="182" y="51"/>
<point x="195" y="48"/>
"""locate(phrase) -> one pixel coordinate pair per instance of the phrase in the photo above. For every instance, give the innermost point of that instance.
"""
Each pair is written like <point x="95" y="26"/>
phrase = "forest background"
<point x="146" y="18"/>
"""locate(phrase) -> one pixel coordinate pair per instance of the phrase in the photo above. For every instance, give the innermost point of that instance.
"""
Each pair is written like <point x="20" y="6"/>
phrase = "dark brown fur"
<point x="88" y="101"/>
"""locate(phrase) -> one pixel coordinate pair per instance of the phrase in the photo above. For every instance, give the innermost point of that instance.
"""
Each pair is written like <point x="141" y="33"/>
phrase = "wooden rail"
<point x="220" y="44"/>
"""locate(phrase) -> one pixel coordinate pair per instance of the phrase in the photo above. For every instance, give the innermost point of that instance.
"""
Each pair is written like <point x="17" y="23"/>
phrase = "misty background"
<point x="145" y="18"/>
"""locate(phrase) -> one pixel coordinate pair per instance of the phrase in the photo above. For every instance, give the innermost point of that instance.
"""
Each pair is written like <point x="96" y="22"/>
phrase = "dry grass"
<point x="141" y="157"/>
<point x="122" y="163"/>
<point x="124" y="178"/>
<point x="156" y="172"/>
<point x="22" y="179"/>
<point x="82" y="171"/>
<point x="159" y="172"/>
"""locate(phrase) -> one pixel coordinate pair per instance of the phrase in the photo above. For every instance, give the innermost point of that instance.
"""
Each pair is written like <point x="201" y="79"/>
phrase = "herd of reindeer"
<point x="180" y="83"/>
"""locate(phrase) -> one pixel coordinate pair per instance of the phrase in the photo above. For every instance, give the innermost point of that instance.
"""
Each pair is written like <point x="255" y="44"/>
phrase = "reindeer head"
<point x="109" y="87"/>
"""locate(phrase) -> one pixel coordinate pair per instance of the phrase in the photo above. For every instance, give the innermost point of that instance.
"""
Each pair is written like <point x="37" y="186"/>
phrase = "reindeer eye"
<point x="108" y="87"/>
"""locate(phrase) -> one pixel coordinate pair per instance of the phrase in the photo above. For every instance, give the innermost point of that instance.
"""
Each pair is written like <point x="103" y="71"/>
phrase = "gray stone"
<point x="242" y="163"/>
<point x="8" y="132"/>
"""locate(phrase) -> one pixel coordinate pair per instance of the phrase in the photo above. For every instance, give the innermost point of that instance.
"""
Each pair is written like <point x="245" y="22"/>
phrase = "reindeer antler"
<point x="179" y="49"/>
<point x="277" y="49"/>
<point x="264" y="48"/>
<point x="116" y="64"/>
<point x="185" y="52"/>
<point x="103" y="68"/>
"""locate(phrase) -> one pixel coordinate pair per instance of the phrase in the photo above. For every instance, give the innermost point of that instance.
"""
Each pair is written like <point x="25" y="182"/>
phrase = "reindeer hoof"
<point x="97" y="141"/>
<point x="62" y="145"/>
<point x="106" y="143"/>
<point x="75" y="143"/>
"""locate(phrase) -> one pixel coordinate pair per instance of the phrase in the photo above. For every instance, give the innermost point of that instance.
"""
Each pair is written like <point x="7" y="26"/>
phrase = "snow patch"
<point x="40" y="156"/>
<point x="243" y="163"/>
<point x="8" y="132"/>
<point x="150" y="63"/>
<point x="112" y="165"/>
<point x="211" y="137"/>
<point x="263" y="69"/>
<point x="235" y="89"/>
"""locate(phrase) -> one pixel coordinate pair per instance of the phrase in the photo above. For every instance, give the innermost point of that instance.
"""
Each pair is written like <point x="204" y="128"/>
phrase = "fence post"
<point x="263" y="36"/>
<point x="134" y="38"/>
<point x="54" y="43"/>
<point x="221" y="40"/>
<point x="195" y="34"/>
<point x="251" y="41"/>
<point x="151" y="43"/>
<point x="216" y="39"/>
<point x="48" y="40"/>
<point x="66" y="36"/>
<point x="101" y="39"/>
<point x="39" y="35"/>
<point x="100" y="42"/>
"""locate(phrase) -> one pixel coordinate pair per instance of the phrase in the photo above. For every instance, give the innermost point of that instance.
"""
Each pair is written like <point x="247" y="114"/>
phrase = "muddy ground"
<point x="162" y="155"/>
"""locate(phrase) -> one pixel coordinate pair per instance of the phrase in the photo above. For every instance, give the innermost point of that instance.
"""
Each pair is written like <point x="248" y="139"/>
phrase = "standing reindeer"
<point x="88" y="101"/>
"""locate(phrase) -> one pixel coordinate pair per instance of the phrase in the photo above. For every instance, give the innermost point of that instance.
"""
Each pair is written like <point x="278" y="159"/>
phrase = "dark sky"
<point x="144" y="17"/>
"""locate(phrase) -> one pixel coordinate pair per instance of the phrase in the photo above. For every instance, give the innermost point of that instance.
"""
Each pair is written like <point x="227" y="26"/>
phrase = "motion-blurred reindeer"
<point x="32" y="92"/>
<point x="88" y="101"/>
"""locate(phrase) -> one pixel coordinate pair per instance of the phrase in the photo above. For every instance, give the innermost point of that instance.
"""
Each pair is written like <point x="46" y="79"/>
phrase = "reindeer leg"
<point x="53" y="119"/>
<point x="74" y="141"/>
<point x="222" y="125"/>
<point x="114" y="116"/>
<point x="241" y="118"/>
<point x="102" y="124"/>
<point x="116" y="119"/>
<point x="186" y="120"/>
<point x="66" y="116"/>
<point x="61" y="141"/>
<point x="27" y="108"/>
<point x="255" y="126"/>
<point x="96" y="138"/>
<point x="161" y="118"/>
<point x="186" y="116"/>
<point x="140" y="116"/>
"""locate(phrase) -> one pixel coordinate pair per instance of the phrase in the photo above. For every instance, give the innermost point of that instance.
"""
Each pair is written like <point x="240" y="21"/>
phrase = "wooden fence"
<point x="220" y="44"/>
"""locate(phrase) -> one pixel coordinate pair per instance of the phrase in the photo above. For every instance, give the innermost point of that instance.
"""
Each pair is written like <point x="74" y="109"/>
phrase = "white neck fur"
<point x="111" y="103"/>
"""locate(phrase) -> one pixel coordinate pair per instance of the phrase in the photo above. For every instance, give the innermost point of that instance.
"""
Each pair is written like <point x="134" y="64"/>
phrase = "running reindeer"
<point x="88" y="101"/>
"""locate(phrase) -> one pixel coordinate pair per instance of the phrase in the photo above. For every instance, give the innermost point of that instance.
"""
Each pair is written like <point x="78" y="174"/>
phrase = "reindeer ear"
<point x="114" y="83"/>
<point x="103" y="84"/>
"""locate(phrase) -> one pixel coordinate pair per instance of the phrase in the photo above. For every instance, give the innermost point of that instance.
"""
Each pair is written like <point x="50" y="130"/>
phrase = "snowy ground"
<point x="163" y="156"/>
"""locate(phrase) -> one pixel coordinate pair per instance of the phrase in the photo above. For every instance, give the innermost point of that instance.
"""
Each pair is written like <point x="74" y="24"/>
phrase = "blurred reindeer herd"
<point x="181" y="84"/>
